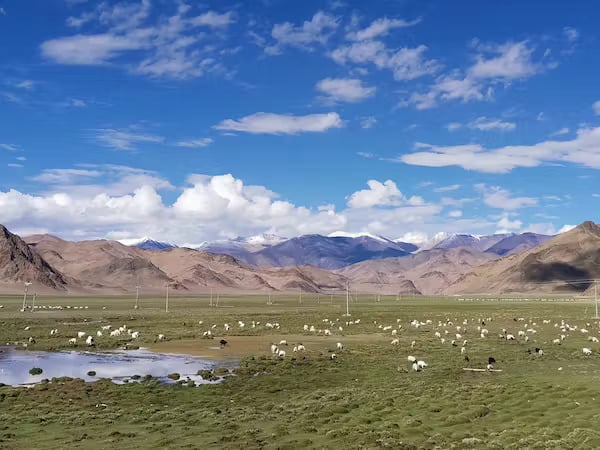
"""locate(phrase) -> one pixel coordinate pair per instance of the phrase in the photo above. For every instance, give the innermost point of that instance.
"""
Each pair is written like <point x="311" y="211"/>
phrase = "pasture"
<point x="367" y="397"/>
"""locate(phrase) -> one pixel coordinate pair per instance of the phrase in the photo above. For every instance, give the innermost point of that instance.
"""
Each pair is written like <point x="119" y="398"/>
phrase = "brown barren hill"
<point x="105" y="266"/>
<point x="19" y="264"/>
<point x="562" y="264"/>
<point x="430" y="271"/>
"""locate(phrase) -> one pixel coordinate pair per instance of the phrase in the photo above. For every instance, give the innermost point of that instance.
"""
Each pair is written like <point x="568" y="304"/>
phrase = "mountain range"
<point x="459" y="264"/>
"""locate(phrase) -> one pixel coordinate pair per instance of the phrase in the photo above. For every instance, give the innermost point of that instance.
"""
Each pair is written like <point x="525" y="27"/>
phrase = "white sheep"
<point x="510" y="337"/>
<point x="73" y="341"/>
<point x="274" y="348"/>
<point x="283" y="342"/>
<point x="339" y="346"/>
<point x="463" y="350"/>
<point x="81" y="334"/>
<point x="412" y="344"/>
<point x="281" y="354"/>
<point x="327" y="333"/>
<point x="421" y="364"/>
<point x="411" y="358"/>
<point x="556" y="341"/>
<point x="90" y="341"/>
<point x="395" y="341"/>
<point x="333" y="356"/>
<point x="394" y="332"/>
<point x="587" y="351"/>
<point x="301" y="348"/>
<point x="593" y="338"/>
<point x="161" y="337"/>
<point x="135" y="335"/>
<point x="99" y="333"/>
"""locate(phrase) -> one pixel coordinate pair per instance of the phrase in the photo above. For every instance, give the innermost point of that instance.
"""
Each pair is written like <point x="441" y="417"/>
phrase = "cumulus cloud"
<point x="348" y="90"/>
<point x="318" y="30"/>
<point x="268" y="123"/>
<point x="583" y="150"/>
<point x="381" y="194"/>
<point x="405" y="63"/>
<point x="596" y="107"/>
<point x="128" y="35"/>
<point x="195" y="143"/>
<point x="497" y="197"/>
<point x="494" y="64"/>
<point x="124" y="139"/>
<point x="380" y="27"/>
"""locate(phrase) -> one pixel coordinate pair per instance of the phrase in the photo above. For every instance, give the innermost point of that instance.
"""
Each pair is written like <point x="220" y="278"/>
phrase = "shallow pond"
<point x="119" y="366"/>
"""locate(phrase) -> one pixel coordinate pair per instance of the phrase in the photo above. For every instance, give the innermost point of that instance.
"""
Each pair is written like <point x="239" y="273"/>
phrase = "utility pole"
<point x="347" y="298"/>
<point x="137" y="297"/>
<point x="596" y="297"/>
<point x="27" y="284"/>
<point x="211" y="295"/>
<point x="167" y="299"/>
<point x="33" y="302"/>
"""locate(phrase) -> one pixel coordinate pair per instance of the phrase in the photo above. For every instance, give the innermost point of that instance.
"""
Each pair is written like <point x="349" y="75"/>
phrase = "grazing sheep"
<point x="489" y="367"/>
<point x="587" y="351"/>
<point x="421" y="364"/>
<point x="135" y="335"/>
<point x="539" y="351"/>
<point x="333" y="356"/>
<point x="27" y="328"/>
<point x="394" y="332"/>
<point x="412" y="344"/>
<point x="90" y="341"/>
<point x="305" y="327"/>
<point x="281" y="354"/>
<point x="31" y="340"/>
<point x="73" y="341"/>
<point x="593" y="338"/>
<point x="556" y="341"/>
<point x="443" y="341"/>
<point x="415" y="366"/>
<point x="411" y="358"/>
<point x="339" y="346"/>
<point x="161" y="337"/>
<point x="463" y="350"/>
<point x="438" y="334"/>
<point x="80" y="334"/>
<point x="99" y="333"/>
<point x="283" y="342"/>
<point x="115" y="333"/>
<point x="327" y="333"/>
<point x="301" y="348"/>
<point x="274" y="348"/>
<point x="510" y="337"/>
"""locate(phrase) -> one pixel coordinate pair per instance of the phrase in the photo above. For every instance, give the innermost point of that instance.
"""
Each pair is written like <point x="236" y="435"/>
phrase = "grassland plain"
<point x="366" y="398"/>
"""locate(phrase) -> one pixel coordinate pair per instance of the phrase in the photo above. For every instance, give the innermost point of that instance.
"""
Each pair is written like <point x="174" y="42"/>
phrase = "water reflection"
<point x="119" y="366"/>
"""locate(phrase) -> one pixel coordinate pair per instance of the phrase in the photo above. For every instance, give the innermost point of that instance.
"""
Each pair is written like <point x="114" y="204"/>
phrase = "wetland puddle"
<point x="119" y="366"/>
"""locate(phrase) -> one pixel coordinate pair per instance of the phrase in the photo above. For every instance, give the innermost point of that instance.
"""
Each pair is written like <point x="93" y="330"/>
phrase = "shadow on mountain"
<point x="574" y="278"/>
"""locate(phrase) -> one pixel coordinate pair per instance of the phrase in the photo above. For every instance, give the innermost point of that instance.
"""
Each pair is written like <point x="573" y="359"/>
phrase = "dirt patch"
<point x="240" y="346"/>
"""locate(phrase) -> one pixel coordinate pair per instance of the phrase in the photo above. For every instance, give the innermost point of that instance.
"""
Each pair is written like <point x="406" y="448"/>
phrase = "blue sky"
<point x="190" y="122"/>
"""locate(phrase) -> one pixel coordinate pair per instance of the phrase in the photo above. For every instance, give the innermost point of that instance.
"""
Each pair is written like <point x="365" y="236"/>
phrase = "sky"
<point x="192" y="121"/>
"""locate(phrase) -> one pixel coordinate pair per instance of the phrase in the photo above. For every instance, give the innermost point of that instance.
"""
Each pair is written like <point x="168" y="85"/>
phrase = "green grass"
<point x="367" y="398"/>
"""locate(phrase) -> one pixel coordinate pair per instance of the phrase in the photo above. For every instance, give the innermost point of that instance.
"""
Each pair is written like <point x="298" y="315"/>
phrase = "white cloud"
<point x="9" y="147"/>
<point x="2" y="11"/>
<point x="485" y="124"/>
<point x="267" y="123"/>
<point x="128" y="35"/>
<point x="596" y="107"/>
<point x="509" y="61"/>
<point x="452" y="187"/>
<point x="453" y="126"/>
<point x="77" y="103"/>
<point x="378" y="194"/>
<point x="195" y="143"/>
<point x="560" y="132"/>
<point x="506" y="225"/>
<point x="368" y="122"/>
<point x="494" y="64"/>
<point x="566" y="228"/>
<point x="26" y="84"/>
<point x="14" y="165"/>
<point x="455" y="214"/>
<point x="367" y="155"/>
<point x="124" y="139"/>
<point x="65" y="176"/>
<point x="380" y="27"/>
<point x="305" y="36"/>
<point x="499" y="198"/>
<point x="571" y="34"/>
<point x="348" y="90"/>
<point x="405" y="63"/>
<point x="584" y="150"/>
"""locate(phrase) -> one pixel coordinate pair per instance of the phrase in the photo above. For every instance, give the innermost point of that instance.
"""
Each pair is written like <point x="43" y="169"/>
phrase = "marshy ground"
<point x="368" y="397"/>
